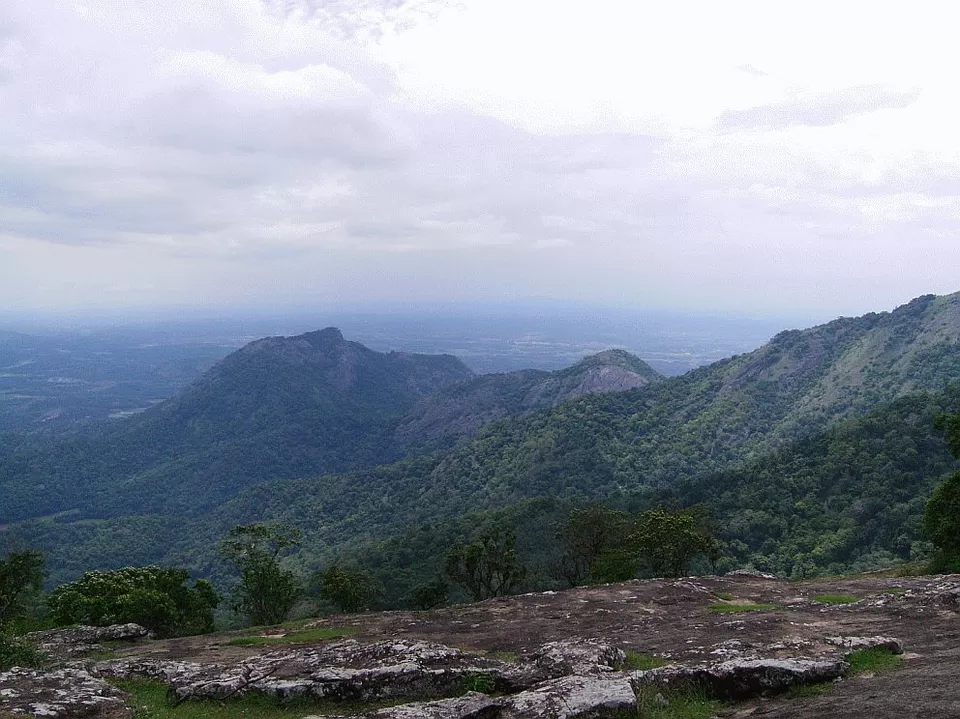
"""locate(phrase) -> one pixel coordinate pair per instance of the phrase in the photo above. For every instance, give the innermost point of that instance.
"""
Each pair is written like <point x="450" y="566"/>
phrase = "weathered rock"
<point x="347" y="670"/>
<point x="69" y="693"/>
<point x="82" y="640"/>
<point x="750" y="573"/>
<point x="469" y="706"/>
<point x="743" y="678"/>
<point x="584" y="657"/>
<point x="573" y="696"/>
<point x="856" y="643"/>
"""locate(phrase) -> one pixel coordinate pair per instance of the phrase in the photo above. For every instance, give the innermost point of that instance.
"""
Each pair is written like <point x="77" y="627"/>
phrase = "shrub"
<point x="154" y="597"/>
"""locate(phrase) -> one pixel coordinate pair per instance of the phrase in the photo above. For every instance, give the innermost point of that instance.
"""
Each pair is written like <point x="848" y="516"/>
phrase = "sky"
<point x="745" y="157"/>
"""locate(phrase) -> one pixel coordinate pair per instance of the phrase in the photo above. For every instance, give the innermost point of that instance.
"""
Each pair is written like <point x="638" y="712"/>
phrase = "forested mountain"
<point x="801" y="437"/>
<point x="279" y="408"/>
<point x="461" y="410"/>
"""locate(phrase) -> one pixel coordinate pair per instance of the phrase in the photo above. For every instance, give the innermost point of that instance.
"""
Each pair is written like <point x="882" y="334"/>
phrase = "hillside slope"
<point x="279" y="407"/>
<point x="715" y="435"/>
<point x="460" y="410"/>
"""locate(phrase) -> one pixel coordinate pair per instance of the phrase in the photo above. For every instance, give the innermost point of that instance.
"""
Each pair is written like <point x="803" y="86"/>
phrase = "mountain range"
<point x="356" y="447"/>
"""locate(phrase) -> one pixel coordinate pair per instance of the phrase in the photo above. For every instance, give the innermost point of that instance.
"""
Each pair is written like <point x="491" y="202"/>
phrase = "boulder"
<point x="347" y="670"/>
<point x="853" y="644"/>
<point x="572" y="697"/>
<point x="74" y="641"/>
<point x="742" y="678"/>
<point x="68" y="693"/>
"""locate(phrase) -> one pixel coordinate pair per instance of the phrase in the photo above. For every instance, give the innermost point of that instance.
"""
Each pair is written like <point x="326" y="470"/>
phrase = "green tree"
<point x="941" y="519"/>
<point x="667" y="541"/>
<point x="430" y="595"/>
<point x="155" y="597"/>
<point x="349" y="590"/>
<point x="265" y="592"/>
<point x="594" y="542"/>
<point x="20" y="574"/>
<point x="488" y="567"/>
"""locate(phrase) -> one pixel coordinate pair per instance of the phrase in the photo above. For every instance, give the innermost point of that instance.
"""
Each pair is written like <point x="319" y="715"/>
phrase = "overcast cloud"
<point x="700" y="155"/>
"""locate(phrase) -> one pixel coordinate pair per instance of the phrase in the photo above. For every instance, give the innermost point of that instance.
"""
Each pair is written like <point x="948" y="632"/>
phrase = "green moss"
<point x="313" y="634"/>
<point x="874" y="660"/>
<point x="478" y="682"/>
<point x="744" y="607"/>
<point x="836" y="599"/>
<point x="690" y="702"/>
<point x="150" y="701"/>
<point x="639" y="662"/>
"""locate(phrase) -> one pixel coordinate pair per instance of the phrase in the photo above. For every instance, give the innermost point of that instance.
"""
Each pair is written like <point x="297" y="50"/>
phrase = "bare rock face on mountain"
<point x="461" y="410"/>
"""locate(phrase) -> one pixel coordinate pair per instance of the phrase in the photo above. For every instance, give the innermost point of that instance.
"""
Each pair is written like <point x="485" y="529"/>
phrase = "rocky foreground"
<point x="743" y="638"/>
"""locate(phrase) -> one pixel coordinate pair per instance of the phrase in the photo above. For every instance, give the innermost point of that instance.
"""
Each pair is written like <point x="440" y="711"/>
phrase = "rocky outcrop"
<point x="67" y="693"/>
<point x="75" y="641"/>
<point x="571" y="697"/>
<point x="344" y="671"/>
<point x="742" y="678"/>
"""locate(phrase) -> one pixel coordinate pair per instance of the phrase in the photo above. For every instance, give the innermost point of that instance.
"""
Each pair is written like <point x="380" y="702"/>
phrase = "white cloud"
<point x="711" y="154"/>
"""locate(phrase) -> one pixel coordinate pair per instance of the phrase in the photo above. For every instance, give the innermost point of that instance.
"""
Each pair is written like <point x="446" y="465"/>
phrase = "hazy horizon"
<point x="695" y="157"/>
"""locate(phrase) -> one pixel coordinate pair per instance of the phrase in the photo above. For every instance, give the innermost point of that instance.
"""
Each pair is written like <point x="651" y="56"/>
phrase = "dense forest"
<point x="815" y="453"/>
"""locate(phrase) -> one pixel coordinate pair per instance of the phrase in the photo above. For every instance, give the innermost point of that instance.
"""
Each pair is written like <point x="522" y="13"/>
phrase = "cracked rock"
<point x="67" y="693"/>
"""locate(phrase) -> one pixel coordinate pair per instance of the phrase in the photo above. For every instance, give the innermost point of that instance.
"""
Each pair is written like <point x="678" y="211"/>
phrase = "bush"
<point x="349" y="590"/>
<point x="16" y="652"/>
<point x="153" y="597"/>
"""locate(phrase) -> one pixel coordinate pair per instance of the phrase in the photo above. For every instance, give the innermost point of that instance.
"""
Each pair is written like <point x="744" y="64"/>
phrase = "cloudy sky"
<point x="723" y="156"/>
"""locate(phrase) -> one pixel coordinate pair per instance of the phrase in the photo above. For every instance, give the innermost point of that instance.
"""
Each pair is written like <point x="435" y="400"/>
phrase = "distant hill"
<point x="279" y="408"/>
<point x="461" y="410"/>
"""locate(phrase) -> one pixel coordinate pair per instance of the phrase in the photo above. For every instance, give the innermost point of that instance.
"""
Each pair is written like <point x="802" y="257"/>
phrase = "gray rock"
<point x="68" y="693"/>
<point x="83" y="640"/>
<point x="570" y="697"/>
<point x="857" y="643"/>
<point x="347" y="670"/>
<point x="750" y="573"/>
<point x="743" y="678"/>
<point x="558" y="659"/>
<point x="469" y="706"/>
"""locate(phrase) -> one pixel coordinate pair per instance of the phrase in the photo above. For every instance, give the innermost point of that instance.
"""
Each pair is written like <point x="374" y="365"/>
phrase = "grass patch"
<point x="894" y="590"/>
<point x="478" y="682"/>
<point x="313" y="634"/>
<point x="506" y="657"/>
<point x="872" y="661"/>
<point x="725" y="596"/>
<point x="741" y="607"/>
<point x="18" y="652"/>
<point x="690" y="702"/>
<point x="640" y="662"/>
<point x="836" y="598"/>
<point x="150" y="701"/>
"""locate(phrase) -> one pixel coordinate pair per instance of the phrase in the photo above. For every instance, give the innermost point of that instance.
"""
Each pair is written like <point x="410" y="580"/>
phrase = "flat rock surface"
<point x="677" y="621"/>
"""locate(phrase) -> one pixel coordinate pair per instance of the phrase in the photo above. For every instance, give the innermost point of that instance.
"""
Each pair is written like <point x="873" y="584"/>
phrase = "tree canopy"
<point x="265" y="592"/>
<point x="154" y="597"/>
